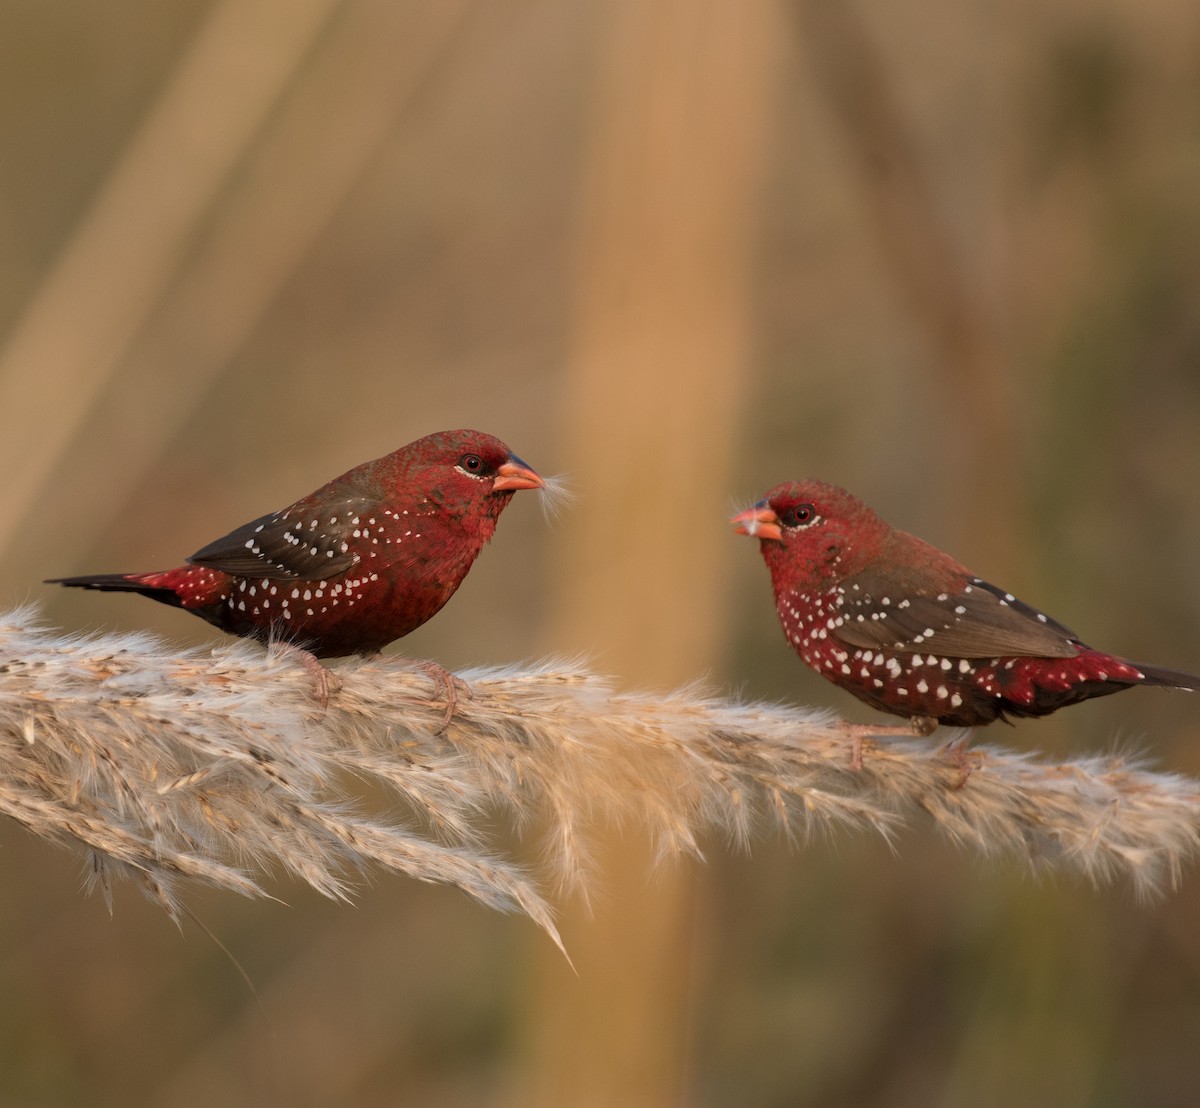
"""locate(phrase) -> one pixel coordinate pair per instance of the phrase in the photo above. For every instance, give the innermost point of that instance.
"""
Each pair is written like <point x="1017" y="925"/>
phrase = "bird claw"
<point x="324" y="679"/>
<point x="447" y="687"/>
<point x="858" y="732"/>
<point x="856" y="762"/>
<point x="959" y="754"/>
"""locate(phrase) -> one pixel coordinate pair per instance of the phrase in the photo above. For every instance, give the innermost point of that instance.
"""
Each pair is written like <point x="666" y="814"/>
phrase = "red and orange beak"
<point x="515" y="474"/>
<point x="759" y="522"/>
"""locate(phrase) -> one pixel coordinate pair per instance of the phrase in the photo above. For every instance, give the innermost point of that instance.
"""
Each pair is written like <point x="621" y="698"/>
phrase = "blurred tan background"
<point x="947" y="255"/>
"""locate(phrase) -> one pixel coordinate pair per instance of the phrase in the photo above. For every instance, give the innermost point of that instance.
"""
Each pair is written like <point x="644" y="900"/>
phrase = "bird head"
<point x="467" y="470"/>
<point x="810" y="531"/>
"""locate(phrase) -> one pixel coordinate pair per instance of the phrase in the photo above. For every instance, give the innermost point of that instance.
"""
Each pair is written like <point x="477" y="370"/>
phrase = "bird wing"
<point x="299" y="543"/>
<point x="973" y="619"/>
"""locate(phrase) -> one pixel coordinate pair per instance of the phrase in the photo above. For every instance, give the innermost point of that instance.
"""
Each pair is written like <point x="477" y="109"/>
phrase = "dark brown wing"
<point x="305" y="542"/>
<point x="974" y="620"/>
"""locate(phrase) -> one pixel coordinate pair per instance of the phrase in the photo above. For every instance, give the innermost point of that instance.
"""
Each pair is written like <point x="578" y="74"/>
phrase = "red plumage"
<point x="907" y="629"/>
<point x="362" y="561"/>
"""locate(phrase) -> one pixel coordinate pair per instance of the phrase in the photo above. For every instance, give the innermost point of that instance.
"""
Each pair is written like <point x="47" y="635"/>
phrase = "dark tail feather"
<point x="1168" y="678"/>
<point x="118" y="582"/>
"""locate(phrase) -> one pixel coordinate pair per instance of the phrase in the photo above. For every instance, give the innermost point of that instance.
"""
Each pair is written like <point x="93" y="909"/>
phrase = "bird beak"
<point x="515" y="474"/>
<point x="759" y="522"/>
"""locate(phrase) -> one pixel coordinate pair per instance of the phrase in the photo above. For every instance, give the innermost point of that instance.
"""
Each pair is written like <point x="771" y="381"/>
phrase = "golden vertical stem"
<point x="358" y="79"/>
<point x="112" y="273"/>
<point x="967" y="363"/>
<point x="658" y="360"/>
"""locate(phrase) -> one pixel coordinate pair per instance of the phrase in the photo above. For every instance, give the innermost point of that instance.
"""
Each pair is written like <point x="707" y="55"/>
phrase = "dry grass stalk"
<point x="221" y="767"/>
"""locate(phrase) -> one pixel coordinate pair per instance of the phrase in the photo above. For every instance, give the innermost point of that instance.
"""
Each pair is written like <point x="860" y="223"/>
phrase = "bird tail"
<point x="1168" y="678"/>
<point x="122" y="582"/>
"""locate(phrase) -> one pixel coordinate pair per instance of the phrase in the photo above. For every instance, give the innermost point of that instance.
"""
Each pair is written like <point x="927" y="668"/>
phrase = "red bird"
<point x="907" y="629"/>
<point x="362" y="561"/>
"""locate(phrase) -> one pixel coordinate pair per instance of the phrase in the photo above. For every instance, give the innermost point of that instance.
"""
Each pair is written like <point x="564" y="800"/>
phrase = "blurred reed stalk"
<point x="188" y="242"/>
<point x="659" y="359"/>
<point x="129" y="244"/>
<point x="940" y="280"/>
<point x="219" y="767"/>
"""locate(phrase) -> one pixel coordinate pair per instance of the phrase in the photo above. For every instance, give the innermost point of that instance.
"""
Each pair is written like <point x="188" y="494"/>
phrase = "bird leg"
<point x="860" y="731"/>
<point x="446" y="686"/>
<point x="957" y="753"/>
<point x="918" y="725"/>
<point x="323" y="677"/>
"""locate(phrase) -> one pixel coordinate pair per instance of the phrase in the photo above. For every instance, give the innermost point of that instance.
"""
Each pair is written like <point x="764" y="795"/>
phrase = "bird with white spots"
<point x="910" y="631"/>
<point x="362" y="561"/>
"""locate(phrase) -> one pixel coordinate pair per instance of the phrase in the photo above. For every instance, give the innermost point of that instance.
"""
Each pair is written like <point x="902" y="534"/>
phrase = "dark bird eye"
<point x="472" y="463"/>
<point x="799" y="515"/>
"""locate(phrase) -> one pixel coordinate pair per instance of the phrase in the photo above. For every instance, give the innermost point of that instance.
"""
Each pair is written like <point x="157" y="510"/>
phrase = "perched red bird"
<point x="904" y="627"/>
<point x="362" y="561"/>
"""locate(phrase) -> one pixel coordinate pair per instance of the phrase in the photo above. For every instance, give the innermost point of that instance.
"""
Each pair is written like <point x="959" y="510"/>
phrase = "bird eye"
<point x="471" y="463"/>
<point x="799" y="515"/>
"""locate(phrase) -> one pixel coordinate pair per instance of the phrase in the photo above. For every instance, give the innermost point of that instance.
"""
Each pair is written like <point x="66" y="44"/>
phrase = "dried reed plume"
<point x="221" y="767"/>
